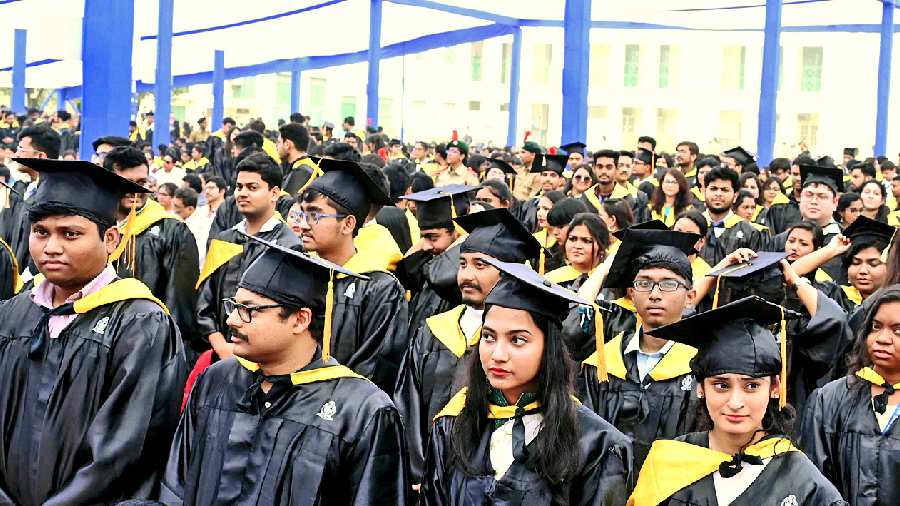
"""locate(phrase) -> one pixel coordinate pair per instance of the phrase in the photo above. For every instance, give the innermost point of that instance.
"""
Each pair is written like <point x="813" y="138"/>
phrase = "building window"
<point x="317" y="92"/>
<point x="631" y="116"/>
<point x="504" y="107"/>
<point x="505" y="59"/>
<point x="348" y="107"/>
<point x="599" y="71"/>
<point x="449" y="55"/>
<point x="811" y="79"/>
<point x="733" y="62"/>
<point x="632" y="56"/>
<point x="808" y="126"/>
<point x="540" y="65"/>
<point x="729" y="129"/>
<point x="664" y="55"/>
<point x="540" y="120"/>
<point x="477" y="50"/>
<point x="244" y="87"/>
<point x="666" y="121"/>
<point x="474" y="105"/>
<point x="283" y="91"/>
<point x="386" y="114"/>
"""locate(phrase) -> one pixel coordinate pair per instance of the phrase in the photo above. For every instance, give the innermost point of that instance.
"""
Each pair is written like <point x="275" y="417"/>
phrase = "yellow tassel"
<point x="329" y="309"/>
<point x="782" y="385"/>
<point x="541" y="262"/>
<point x="887" y="250"/>
<point x="601" y="349"/>
<point x="459" y="230"/>
<point x="716" y="295"/>
<point x="316" y="173"/>
<point x="126" y="242"/>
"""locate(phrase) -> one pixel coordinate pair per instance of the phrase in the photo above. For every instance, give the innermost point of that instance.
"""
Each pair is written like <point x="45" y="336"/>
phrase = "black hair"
<point x="619" y="209"/>
<point x="171" y="188"/>
<point x="398" y="179"/>
<point x="257" y="125"/>
<point x="498" y="189"/>
<point x="193" y="181"/>
<point x="867" y="168"/>
<point x="860" y="244"/>
<point x="554" y="195"/>
<point x="741" y="196"/>
<point x="777" y="421"/>
<point x="769" y="182"/>
<point x="779" y="164"/>
<point x="420" y="181"/>
<point x="342" y="151"/>
<point x="262" y="164"/>
<point x="112" y="140"/>
<point x="697" y="218"/>
<point x="229" y="121"/>
<point x="218" y="181"/>
<point x="723" y="174"/>
<point x="296" y="133"/>
<point x="124" y="158"/>
<point x="647" y="138"/>
<point x="845" y="201"/>
<point x="859" y="356"/>
<point x="43" y="139"/>
<point x="188" y="196"/>
<point x="626" y="153"/>
<point x="692" y="147"/>
<point x="564" y="210"/>
<point x="598" y="231"/>
<point x="4" y="172"/>
<point x="803" y="159"/>
<point x="607" y="153"/>
<point x="248" y="138"/>
<point x="63" y="115"/>
<point x="554" y="453"/>
<point x="811" y="227"/>
<point x="350" y="121"/>
<point x="590" y="171"/>
<point x="46" y="209"/>
<point x="708" y="161"/>
<point x="200" y="147"/>
<point x="745" y="175"/>
<point x="381" y="181"/>
<point x="682" y="199"/>
<point x="372" y="159"/>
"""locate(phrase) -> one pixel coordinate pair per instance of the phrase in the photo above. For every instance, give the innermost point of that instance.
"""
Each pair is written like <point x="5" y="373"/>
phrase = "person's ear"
<point x="630" y="292"/>
<point x="775" y="387"/>
<point x="689" y="297"/>
<point x="348" y="225"/>
<point x="302" y="318"/>
<point x="111" y="239"/>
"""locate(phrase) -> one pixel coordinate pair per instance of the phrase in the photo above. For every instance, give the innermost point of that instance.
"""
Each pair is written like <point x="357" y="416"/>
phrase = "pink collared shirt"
<point x="42" y="295"/>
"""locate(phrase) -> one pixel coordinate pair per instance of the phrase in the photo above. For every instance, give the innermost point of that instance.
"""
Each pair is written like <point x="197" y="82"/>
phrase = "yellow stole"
<point x="674" y="465"/>
<point x="16" y="281"/>
<point x="456" y="404"/>
<point x="563" y="274"/>
<point x="328" y="373"/>
<point x="852" y="293"/>
<point x="869" y="374"/>
<point x="376" y="242"/>
<point x="220" y="252"/>
<point x="149" y="215"/>
<point x="676" y="362"/>
<point x="618" y="193"/>
<point x="445" y="327"/>
<point x="117" y="291"/>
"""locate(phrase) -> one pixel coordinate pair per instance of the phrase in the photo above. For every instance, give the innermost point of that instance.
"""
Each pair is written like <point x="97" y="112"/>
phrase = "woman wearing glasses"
<point x="671" y="198"/>
<point x="582" y="179"/>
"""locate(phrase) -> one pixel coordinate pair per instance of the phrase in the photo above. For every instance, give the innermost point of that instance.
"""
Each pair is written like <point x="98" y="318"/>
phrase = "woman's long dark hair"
<point x="554" y="454"/>
<point x="883" y="210"/>
<point x="682" y="199"/>
<point x="776" y="422"/>
<point x="598" y="232"/>
<point x="859" y="356"/>
<point x="759" y="188"/>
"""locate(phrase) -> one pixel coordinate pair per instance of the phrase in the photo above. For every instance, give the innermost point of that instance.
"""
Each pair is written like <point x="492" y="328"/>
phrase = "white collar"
<point x="268" y="226"/>
<point x="634" y="344"/>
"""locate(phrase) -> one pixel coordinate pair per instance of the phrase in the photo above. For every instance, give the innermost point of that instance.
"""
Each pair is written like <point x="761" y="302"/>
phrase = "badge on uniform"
<point x="327" y="412"/>
<point x="100" y="327"/>
<point x="790" y="500"/>
<point x="350" y="291"/>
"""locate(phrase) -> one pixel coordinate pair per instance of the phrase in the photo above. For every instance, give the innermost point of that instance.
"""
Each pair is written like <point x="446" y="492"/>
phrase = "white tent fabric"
<point x="253" y="33"/>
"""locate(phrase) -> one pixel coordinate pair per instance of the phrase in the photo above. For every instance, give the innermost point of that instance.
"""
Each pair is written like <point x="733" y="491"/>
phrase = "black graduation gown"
<point x="8" y="274"/>
<point x="223" y="281"/>
<point x="738" y="234"/>
<point x="638" y="202"/>
<point x="780" y="217"/>
<point x="662" y="407"/>
<point x="90" y="420"/>
<point x="439" y="290"/>
<point x="842" y="438"/>
<point x="790" y="474"/>
<point x="16" y="228"/>
<point x="296" y="175"/>
<point x="167" y="261"/>
<point x="833" y="267"/>
<point x="335" y="441"/>
<point x="369" y="325"/>
<point x="428" y="378"/>
<point x="394" y="219"/>
<point x="228" y="215"/>
<point x="527" y="213"/>
<point x="604" y="477"/>
<point x="578" y="327"/>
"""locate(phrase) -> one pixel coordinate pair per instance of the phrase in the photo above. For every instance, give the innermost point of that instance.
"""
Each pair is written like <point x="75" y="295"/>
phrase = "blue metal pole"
<point x="515" y="70"/>
<point x="18" y="76"/>
<point x="218" y="89"/>
<point x="105" y="70"/>
<point x="60" y="99"/>
<point x="374" y="62"/>
<point x="884" y="76"/>
<point x="768" y="87"/>
<point x="576" y="63"/>
<point x="295" y="88"/>
<point x="163" y="85"/>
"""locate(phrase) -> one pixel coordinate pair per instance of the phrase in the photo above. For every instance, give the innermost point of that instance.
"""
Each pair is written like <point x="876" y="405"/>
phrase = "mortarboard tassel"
<point x="543" y="257"/>
<point x="127" y="242"/>
<point x="329" y="309"/>
<point x="887" y="250"/>
<point x="602" y="375"/>
<point x="716" y="295"/>
<point x="316" y="173"/>
<point x="782" y="384"/>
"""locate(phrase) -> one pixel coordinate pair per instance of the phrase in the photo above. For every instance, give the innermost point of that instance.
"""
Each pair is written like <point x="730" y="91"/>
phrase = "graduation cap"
<point x="502" y="165"/>
<point x="85" y="188"/>
<point x="293" y="278"/>
<point x="740" y="155"/>
<point x="433" y="207"/>
<point x="347" y="184"/>
<point x="644" y="156"/>
<point x="829" y="176"/>
<point x="642" y="248"/>
<point x="735" y="339"/>
<point x="852" y="152"/>
<point x="761" y="275"/>
<point x="574" y="147"/>
<point x="499" y="234"/>
<point x="555" y="163"/>
<point x="395" y="142"/>
<point x="867" y="229"/>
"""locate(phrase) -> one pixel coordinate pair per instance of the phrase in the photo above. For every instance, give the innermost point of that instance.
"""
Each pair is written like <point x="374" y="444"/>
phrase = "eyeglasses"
<point x="313" y="217"/>
<point x="665" y="285"/>
<point x="245" y="312"/>
<point x="581" y="178"/>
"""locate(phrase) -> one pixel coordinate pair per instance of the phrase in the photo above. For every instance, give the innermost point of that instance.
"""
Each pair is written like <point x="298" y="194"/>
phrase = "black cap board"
<point x="644" y="248"/>
<point x="555" y="163"/>
<point x="475" y="161"/>
<point x="347" y="184"/>
<point x="502" y="165"/>
<point x="520" y="287"/>
<point x="644" y="156"/>
<point x="499" y="234"/>
<point x="762" y="260"/>
<point x="740" y="155"/>
<point x="574" y="147"/>
<point x="829" y="176"/>
<point x="866" y="229"/>
<point x="433" y="205"/>
<point x="86" y="188"/>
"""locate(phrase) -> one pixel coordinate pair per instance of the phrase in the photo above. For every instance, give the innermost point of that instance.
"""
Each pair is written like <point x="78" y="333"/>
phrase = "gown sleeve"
<point x="434" y="491"/>
<point x="209" y="305"/>
<point x="606" y="480"/>
<point x="408" y="399"/>
<point x="814" y="438"/>
<point x="378" y="459"/>
<point x="183" y="267"/>
<point x="173" y="482"/>
<point x="127" y="439"/>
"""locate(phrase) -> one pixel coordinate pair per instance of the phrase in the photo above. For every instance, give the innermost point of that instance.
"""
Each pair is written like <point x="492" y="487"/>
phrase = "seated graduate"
<point x="585" y="245"/>
<point x="851" y="430"/>
<point x="90" y="364"/>
<point x="516" y="436"/>
<point x="648" y="393"/>
<point x="745" y="457"/>
<point x="284" y="423"/>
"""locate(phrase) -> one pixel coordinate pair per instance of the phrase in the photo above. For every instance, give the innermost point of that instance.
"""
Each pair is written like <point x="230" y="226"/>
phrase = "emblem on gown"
<point x="790" y="500"/>
<point x="350" y="291"/>
<point x="155" y="230"/>
<point x="327" y="412"/>
<point x="100" y="327"/>
<point x="686" y="383"/>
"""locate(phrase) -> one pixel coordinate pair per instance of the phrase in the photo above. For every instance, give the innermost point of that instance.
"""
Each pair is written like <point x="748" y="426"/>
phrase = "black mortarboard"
<point x="556" y="163"/>
<point x="830" y="176"/>
<point x="564" y="210"/>
<point x="520" y="287"/>
<point x="86" y="188"/>
<point x="502" y="165"/>
<point x="499" y="234"/>
<point x="293" y="278"/>
<point x="644" y="156"/>
<point x="649" y="247"/>
<point x="475" y="161"/>
<point x="735" y="339"/>
<point x="395" y="142"/>
<point x="866" y="229"/>
<point x="347" y="184"/>
<point x="574" y="147"/>
<point x="740" y="155"/>
<point x="760" y="276"/>
<point x="850" y="151"/>
<point x="762" y="260"/>
<point x="433" y="205"/>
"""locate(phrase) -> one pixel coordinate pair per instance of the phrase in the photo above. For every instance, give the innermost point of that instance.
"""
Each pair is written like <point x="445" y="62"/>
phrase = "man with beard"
<point x="605" y="167"/>
<point x="525" y="184"/>
<point x="428" y="374"/>
<point x="784" y="211"/>
<point x="256" y="193"/>
<point x="686" y="154"/>
<point x="163" y="253"/>
<point x="727" y="231"/>
<point x="299" y="169"/>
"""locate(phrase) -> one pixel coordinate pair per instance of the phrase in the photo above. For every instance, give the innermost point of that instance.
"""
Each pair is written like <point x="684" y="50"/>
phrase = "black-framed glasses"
<point x="665" y="285"/>
<point x="245" y="312"/>
<point x="313" y="217"/>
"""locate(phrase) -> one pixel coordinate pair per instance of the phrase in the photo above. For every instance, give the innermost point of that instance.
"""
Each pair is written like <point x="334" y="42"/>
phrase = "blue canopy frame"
<point x="107" y="88"/>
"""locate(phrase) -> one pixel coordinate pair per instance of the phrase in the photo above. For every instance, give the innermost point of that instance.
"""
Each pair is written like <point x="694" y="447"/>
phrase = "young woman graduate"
<point x="516" y="436"/>
<point x="851" y="430"/>
<point x="745" y="458"/>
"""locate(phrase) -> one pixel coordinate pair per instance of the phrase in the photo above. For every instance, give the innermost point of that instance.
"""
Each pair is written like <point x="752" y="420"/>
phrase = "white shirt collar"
<point x="268" y="226"/>
<point x="634" y="344"/>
